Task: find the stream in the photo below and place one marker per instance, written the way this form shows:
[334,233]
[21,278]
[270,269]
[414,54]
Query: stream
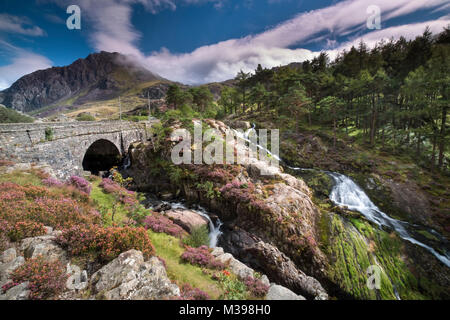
[346,193]
[214,228]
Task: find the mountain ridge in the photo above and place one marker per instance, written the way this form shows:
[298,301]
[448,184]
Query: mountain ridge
[99,76]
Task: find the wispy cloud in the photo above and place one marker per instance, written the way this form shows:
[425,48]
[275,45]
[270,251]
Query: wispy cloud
[18,25]
[223,60]
[24,62]
[114,31]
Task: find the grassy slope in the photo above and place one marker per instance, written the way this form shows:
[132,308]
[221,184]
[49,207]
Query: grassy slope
[167,247]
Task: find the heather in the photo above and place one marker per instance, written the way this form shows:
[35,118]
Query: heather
[244,193]
[159,223]
[190,293]
[80,183]
[256,287]
[37,204]
[123,195]
[46,279]
[105,243]
[201,256]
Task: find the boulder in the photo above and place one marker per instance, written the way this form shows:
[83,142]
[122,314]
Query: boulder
[277,292]
[129,277]
[187,219]
[8,255]
[8,267]
[44,246]
[282,270]
[240,269]
[19,292]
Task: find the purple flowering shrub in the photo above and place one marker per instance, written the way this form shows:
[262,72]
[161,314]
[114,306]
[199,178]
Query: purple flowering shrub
[4,230]
[243,193]
[46,279]
[125,196]
[201,256]
[80,183]
[190,293]
[52,182]
[161,224]
[256,287]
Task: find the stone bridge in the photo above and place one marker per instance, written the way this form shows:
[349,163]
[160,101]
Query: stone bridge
[72,147]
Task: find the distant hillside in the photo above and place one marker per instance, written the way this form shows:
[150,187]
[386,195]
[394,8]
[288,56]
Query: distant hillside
[100,76]
[11,116]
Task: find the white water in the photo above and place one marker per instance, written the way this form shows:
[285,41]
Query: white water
[347,193]
[214,230]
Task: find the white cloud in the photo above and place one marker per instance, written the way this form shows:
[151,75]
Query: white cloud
[223,60]
[113,31]
[18,25]
[24,62]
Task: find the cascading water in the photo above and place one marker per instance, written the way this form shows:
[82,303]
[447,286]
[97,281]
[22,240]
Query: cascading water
[214,229]
[348,194]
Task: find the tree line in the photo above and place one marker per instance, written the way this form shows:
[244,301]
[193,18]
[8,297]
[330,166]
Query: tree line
[395,95]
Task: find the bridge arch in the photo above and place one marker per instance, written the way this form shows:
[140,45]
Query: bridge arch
[101,155]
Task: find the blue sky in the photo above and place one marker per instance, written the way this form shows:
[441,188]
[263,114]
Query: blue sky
[199,41]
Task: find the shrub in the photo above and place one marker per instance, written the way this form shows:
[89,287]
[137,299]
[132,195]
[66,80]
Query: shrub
[199,237]
[46,279]
[85,117]
[81,184]
[4,230]
[190,293]
[161,224]
[49,134]
[256,287]
[123,195]
[26,229]
[202,257]
[105,243]
[42,205]
[52,182]
[234,289]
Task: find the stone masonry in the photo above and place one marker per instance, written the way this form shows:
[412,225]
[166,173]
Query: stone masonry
[63,145]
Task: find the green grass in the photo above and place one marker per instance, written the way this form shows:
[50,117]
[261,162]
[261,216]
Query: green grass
[12,116]
[21,177]
[168,248]
[106,203]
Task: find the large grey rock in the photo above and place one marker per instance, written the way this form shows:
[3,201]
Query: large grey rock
[277,292]
[187,219]
[19,292]
[129,277]
[282,270]
[6,269]
[44,246]
[240,269]
[8,255]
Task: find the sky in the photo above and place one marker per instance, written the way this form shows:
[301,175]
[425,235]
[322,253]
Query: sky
[201,41]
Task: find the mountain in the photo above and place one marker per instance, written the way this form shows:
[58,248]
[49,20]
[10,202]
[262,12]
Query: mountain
[100,76]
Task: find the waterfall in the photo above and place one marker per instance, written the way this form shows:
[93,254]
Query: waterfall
[214,229]
[348,194]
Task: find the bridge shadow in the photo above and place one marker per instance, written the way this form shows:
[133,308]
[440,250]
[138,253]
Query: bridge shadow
[102,155]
